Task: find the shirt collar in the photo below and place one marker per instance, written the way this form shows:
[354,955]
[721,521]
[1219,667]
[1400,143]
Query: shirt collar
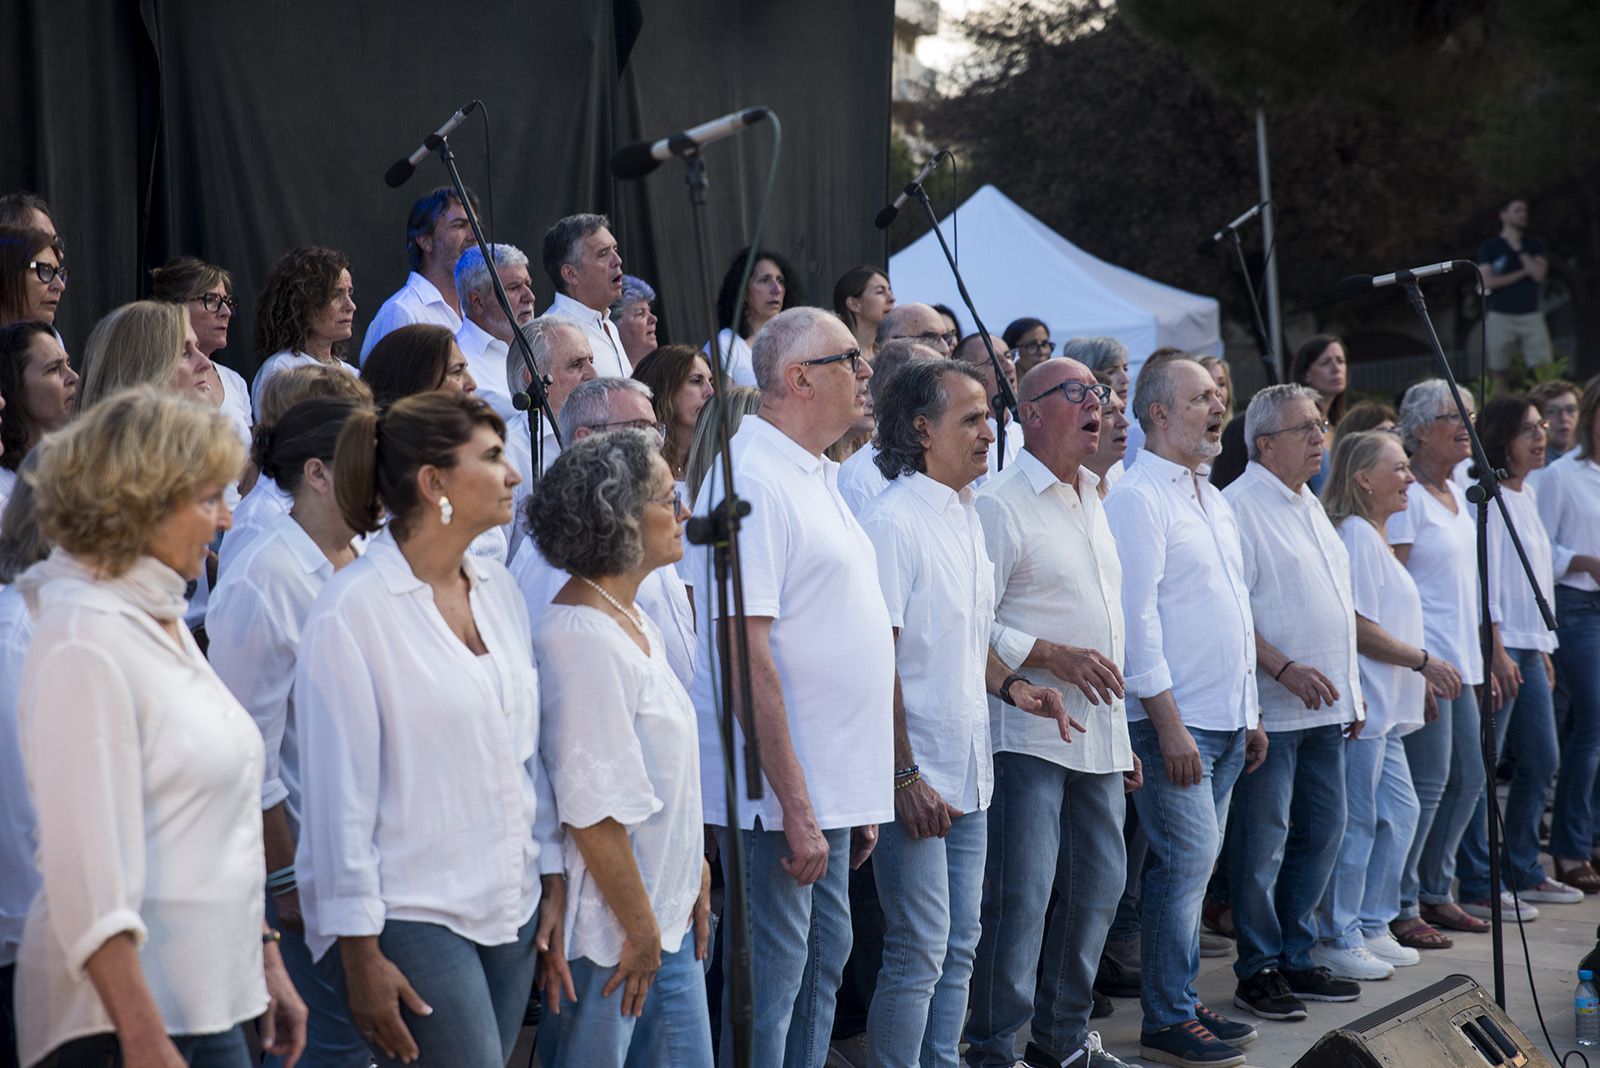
[398,578]
[475,337]
[1259,472]
[936,494]
[1042,478]
[425,289]
[782,443]
[305,551]
[565,305]
[1165,470]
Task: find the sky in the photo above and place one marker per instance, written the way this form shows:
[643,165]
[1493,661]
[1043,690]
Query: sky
[942,51]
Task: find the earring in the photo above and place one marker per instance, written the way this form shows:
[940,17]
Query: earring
[446,510]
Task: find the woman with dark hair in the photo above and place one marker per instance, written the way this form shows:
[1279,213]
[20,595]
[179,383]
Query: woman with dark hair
[37,390]
[772,288]
[1028,341]
[254,622]
[419,358]
[862,297]
[426,822]
[305,315]
[680,384]
[621,742]
[1320,363]
[206,292]
[33,275]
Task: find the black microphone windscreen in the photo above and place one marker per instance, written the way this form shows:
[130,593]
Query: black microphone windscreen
[1206,244]
[885,217]
[1355,285]
[633,161]
[399,174]
[521,401]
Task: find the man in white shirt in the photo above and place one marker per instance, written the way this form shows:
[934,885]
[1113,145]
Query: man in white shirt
[1303,607]
[581,258]
[859,478]
[485,335]
[1058,807]
[972,350]
[437,231]
[1190,673]
[562,357]
[821,665]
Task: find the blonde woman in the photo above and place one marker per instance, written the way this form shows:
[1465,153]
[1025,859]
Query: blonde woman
[147,341]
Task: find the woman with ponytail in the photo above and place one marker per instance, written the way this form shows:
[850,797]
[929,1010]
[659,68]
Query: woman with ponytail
[429,857]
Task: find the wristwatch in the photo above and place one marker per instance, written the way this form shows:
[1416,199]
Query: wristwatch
[1005,687]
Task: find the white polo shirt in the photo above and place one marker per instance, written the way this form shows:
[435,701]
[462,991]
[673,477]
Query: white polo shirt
[486,362]
[418,301]
[601,332]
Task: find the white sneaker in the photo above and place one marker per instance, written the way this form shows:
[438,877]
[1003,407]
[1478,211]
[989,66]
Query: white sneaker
[1552,892]
[1509,911]
[1356,963]
[1385,948]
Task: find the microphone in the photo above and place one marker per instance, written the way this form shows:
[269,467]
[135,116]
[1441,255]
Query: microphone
[1357,284]
[400,173]
[642,157]
[886,216]
[1207,244]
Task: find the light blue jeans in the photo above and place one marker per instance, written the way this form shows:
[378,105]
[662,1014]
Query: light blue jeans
[1574,830]
[1184,825]
[931,890]
[1381,805]
[1286,831]
[226,1049]
[332,1040]
[799,941]
[675,1028]
[1447,772]
[1530,722]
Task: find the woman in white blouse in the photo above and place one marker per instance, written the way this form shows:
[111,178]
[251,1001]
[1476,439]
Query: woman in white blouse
[145,942]
[1367,485]
[621,742]
[426,823]
[254,621]
[771,289]
[205,291]
[306,312]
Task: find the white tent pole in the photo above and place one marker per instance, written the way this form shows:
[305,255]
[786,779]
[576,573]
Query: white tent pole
[1269,244]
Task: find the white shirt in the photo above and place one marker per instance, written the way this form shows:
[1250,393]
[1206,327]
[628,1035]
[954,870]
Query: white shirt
[1444,564]
[1184,596]
[283,360]
[422,793]
[809,566]
[1569,504]
[265,502]
[1057,578]
[601,332]
[737,358]
[519,448]
[144,772]
[1511,602]
[19,879]
[620,741]
[1013,447]
[859,478]
[254,622]
[236,406]
[1384,593]
[938,584]
[1298,572]
[418,301]
[486,362]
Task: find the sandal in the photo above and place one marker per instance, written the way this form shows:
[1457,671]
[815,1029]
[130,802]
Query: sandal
[1581,875]
[1421,936]
[1453,917]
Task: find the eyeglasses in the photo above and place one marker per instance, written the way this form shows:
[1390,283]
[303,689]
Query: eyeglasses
[47,272]
[213,302]
[676,501]
[1532,431]
[1453,416]
[1317,428]
[853,357]
[1075,392]
[1034,348]
[659,429]
[948,339]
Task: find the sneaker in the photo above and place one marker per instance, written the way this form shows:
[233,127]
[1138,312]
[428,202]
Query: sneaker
[1552,892]
[1358,962]
[847,1052]
[1215,945]
[1116,978]
[1233,1032]
[1093,1054]
[1384,947]
[1510,911]
[1318,984]
[1188,1044]
[1268,996]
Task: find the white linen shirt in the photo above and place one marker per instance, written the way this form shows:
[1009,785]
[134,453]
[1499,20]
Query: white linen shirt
[423,796]
[621,743]
[938,585]
[1057,577]
[418,301]
[1384,593]
[737,358]
[1511,602]
[1569,504]
[254,622]
[1184,596]
[1298,572]
[486,362]
[859,478]
[809,566]
[19,879]
[283,360]
[265,502]
[601,332]
[1013,447]
[1444,564]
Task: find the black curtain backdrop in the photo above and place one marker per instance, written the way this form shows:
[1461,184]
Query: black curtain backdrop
[237,131]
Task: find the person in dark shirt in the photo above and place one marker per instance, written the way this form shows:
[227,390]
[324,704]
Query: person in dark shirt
[1514,264]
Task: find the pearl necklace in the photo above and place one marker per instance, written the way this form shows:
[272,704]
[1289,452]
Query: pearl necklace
[636,620]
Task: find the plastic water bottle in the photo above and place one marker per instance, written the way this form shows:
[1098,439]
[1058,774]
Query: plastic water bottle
[1586,1011]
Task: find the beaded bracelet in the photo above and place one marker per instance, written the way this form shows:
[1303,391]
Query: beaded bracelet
[916,776]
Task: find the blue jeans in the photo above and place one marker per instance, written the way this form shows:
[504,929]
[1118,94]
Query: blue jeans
[1573,829]
[332,1040]
[931,890]
[1184,825]
[1049,827]
[226,1049]
[478,993]
[799,941]
[1125,925]
[1381,805]
[1447,772]
[1530,721]
[1286,831]
[675,1028]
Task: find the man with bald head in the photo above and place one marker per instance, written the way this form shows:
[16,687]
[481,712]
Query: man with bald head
[973,351]
[919,322]
[1057,812]
[821,660]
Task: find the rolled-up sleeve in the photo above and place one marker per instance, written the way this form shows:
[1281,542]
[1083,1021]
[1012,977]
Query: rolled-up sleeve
[1141,546]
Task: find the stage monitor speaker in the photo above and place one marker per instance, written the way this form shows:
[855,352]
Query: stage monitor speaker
[1454,1022]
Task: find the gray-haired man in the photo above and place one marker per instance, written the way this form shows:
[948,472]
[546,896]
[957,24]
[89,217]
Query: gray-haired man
[583,263]
[485,334]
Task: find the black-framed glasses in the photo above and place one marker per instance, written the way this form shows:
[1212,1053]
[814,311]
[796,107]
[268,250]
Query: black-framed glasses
[1034,348]
[1531,431]
[948,339]
[1317,427]
[658,429]
[675,500]
[1076,391]
[214,302]
[47,272]
[853,358]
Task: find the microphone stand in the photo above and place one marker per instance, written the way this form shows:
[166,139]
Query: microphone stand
[1480,494]
[1005,397]
[1269,358]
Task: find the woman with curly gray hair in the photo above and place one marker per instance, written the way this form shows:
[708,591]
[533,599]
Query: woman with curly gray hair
[621,741]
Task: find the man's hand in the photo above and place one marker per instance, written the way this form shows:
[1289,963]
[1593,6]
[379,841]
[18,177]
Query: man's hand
[808,849]
[1310,685]
[1045,702]
[1132,780]
[1352,730]
[863,840]
[288,906]
[1180,755]
[1255,748]
[1099,679]
[922,812]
